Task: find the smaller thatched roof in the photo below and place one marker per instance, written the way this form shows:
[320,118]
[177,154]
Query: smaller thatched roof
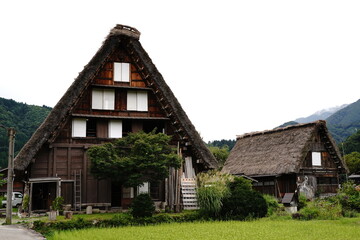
[278,151]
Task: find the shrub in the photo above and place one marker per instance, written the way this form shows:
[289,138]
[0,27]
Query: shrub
[25,202]
[243,202]
[302,202]
[349,196]
[212,188]
[272,204]
[142,206]
[57,204]
[325,209]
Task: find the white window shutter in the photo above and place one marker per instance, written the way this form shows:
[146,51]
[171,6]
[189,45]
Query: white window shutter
[97,99]
[316,158]
[131,101]
[115,129]
[144,188]
[79,127]
[125,72]
[142,101]
[117,71]
[109,99]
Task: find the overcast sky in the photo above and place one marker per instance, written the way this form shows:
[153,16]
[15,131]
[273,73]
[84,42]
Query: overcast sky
[235,66]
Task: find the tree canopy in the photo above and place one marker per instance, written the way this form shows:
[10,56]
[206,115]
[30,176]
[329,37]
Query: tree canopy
[132,160]
[351,144]
[353,162]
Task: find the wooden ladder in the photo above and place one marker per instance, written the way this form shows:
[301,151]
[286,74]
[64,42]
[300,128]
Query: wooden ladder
[188,193]
[77,190]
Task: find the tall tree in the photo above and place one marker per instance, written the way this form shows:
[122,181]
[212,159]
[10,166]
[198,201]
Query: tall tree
[353,162]
[135,159]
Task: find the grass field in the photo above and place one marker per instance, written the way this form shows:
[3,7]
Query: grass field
[346,228]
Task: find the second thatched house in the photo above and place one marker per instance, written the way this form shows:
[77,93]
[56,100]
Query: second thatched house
[300,158]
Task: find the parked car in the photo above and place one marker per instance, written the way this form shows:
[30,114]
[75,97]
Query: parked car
[17,198]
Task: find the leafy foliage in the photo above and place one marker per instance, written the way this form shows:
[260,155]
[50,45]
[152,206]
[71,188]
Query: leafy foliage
[322,209]
[349,196]
[142,206]
[212,188]
[353,162]
[243,202]
[2,181]
[24,118]
[272,204]
[57,204]
[230,143]
[220,153]
[137,158]
[351,144]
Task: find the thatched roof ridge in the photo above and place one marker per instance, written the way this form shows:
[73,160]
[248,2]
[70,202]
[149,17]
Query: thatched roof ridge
[277,151]
[58,116]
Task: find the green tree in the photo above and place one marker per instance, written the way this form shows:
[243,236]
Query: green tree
[351,144]
[353,162]
[220,153]
[135,159]
[2,181]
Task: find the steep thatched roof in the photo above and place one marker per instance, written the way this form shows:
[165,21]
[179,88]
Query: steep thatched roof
[278,151]
[128,37]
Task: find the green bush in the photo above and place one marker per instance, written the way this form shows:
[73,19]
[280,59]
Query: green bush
[25,202]
[243,202]
[119,220]
[272,204]
[349,196]
[324,209]
[57,204]
[212,188]
[302,202]
[142,206]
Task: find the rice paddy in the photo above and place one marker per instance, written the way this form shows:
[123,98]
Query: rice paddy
[345,228]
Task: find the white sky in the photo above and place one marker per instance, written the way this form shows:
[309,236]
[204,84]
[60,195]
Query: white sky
[235,66]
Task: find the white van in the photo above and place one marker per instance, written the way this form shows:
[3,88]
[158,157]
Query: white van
[17,198]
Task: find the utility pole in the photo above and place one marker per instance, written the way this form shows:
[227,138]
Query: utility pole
[10,175]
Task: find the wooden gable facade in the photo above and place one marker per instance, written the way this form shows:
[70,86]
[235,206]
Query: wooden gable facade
[301,158]
[118,92]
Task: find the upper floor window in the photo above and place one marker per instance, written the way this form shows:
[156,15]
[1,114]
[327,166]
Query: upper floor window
[115,129]
[103,99]
[316,158]
[82,127]
[137,101]
[121,72]
[79,127]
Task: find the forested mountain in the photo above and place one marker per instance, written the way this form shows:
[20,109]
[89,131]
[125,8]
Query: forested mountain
[345,122]
[341,124]
[24,118]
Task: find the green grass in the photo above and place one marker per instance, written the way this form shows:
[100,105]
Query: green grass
[343,229]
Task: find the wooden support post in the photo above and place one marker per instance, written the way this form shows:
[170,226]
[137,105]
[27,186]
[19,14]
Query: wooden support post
[10,176]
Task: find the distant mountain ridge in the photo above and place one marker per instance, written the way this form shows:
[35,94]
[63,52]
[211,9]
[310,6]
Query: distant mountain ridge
[321,115]
[342,121]
[345,122]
